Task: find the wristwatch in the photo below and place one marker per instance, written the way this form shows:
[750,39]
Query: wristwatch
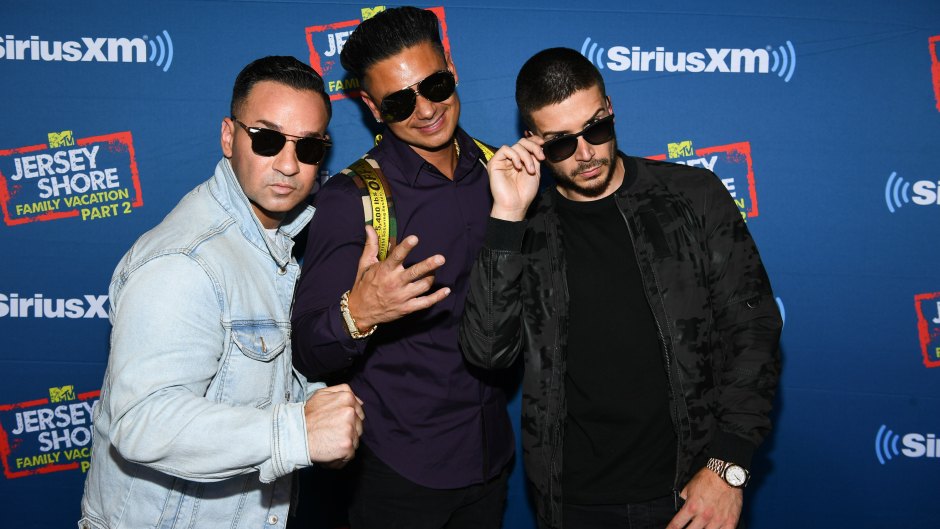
[734,475]
[351,326]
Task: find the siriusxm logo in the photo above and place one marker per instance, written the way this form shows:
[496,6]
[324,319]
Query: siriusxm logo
[91,49]
[724,60]
[898,192]
[88,306]
[915,445]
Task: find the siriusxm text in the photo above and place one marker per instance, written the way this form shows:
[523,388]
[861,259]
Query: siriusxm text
[85,49]
[38,306]
[726,60]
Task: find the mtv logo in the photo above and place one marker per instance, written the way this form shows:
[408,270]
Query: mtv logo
[61,139]
[680,149]
[369,12]
[62,394]
[928,327]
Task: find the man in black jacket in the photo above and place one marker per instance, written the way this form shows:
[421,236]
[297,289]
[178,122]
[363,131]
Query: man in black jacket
[638,300]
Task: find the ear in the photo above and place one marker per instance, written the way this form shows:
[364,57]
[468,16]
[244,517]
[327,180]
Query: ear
[610,106]
[367,99]
[450,66]
[227,136]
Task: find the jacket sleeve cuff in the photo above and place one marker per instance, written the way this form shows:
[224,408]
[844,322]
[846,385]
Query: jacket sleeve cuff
[504,235]
[729,447]
[289,451]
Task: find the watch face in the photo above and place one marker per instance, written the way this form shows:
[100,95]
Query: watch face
[735,476]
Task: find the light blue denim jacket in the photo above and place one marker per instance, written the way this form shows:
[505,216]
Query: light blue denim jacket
[200,421]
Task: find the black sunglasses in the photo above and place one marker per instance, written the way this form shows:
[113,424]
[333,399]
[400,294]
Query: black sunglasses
[562,147]
[266,142]
[435,88]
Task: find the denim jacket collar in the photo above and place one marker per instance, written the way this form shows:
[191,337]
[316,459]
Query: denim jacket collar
[228,192]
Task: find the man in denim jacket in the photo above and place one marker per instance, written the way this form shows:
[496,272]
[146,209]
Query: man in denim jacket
[202,419]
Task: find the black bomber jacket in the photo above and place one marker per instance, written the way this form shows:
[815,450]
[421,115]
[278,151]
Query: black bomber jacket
[718,322]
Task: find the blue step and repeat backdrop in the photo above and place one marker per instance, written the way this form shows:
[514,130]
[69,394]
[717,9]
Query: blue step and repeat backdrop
[821,118]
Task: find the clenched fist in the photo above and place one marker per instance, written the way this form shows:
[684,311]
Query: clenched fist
[334,423]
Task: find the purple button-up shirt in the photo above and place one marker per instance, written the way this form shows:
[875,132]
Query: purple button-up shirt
[429,415]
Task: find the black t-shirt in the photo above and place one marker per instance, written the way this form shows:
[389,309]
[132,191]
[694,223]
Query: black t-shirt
[619,446]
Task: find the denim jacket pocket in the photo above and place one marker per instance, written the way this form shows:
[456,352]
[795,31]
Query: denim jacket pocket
[254,363]
[261,341]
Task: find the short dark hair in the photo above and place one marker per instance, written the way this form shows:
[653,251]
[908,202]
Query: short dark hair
[280,69]
[387,34]
[551,76]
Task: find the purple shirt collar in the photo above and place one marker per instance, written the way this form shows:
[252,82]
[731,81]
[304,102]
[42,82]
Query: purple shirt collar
[393,151]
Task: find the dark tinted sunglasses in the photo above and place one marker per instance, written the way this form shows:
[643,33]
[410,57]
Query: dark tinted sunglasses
[562,147]
[267,142]
[435,88]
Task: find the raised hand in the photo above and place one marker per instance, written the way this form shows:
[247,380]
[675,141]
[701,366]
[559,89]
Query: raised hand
[386,290]
[514,177]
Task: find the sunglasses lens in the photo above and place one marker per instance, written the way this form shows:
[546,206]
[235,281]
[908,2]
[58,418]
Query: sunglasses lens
[398,105]
[596,133]
[438,87]
[435,88]
[311,150]
[267,142]
[599,132]
[560,149]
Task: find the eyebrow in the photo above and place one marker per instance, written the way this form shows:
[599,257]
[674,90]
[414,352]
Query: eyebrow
[592,119]
[274,126]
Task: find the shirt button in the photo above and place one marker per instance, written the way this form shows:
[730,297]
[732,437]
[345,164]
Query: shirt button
[272,520]
[281,270]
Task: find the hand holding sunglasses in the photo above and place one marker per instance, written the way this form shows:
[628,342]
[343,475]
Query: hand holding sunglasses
[560,148]
[436,88]
[266,142]
[515,173]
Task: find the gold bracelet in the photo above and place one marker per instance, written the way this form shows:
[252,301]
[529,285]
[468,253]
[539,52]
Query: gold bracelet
[351,326]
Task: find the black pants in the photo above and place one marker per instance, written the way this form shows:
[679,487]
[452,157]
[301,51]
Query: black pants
[653,514]
[383,499]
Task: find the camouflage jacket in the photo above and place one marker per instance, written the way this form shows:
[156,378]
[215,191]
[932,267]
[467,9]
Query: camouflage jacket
[718,322]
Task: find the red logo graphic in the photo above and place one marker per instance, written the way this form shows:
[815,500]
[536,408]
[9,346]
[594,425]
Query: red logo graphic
[90,178]
[935,67]
[326,42]
[732,163]
[47,435]
[928,326]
